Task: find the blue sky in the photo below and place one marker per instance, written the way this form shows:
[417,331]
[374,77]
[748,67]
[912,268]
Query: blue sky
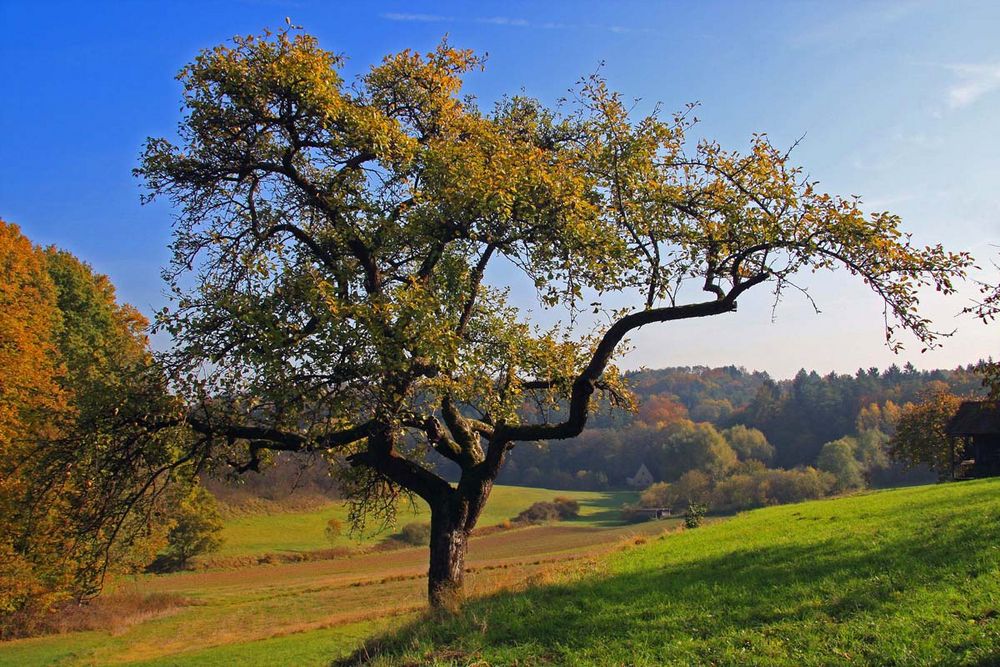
[898,102]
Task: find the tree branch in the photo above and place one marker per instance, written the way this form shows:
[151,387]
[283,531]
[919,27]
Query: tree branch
[586,383]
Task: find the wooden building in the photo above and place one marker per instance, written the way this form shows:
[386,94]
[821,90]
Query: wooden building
[977,425]
[642,478]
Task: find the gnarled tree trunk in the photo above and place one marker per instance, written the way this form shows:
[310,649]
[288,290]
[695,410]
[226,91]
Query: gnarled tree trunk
[452,521]
[449,544]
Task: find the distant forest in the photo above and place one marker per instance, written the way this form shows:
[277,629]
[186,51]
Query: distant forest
[718,421]
[797,417]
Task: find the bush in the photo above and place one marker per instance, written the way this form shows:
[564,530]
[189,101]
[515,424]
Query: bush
[759,487]
[334,529]
[694,486]
[558,510]
[632,514]
[694,514]
[417,534]
[567,507]
[538,513]
[793,486]
[740,492]
[838,459]
[661,494]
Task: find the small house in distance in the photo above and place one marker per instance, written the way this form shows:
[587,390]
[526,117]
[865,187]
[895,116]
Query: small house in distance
[641,479]
[977,423]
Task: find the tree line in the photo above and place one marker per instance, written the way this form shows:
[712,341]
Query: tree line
[690,418]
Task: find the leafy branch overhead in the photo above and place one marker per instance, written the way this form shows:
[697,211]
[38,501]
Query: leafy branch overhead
[334,256]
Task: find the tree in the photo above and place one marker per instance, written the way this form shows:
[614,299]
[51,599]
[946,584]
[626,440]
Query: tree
[749,443]
[690,446]
[33,405]
[333,240]
[660,410]
[197,527]
[693,487]
[80,475]
[920,436]
[987,309]
[838,459]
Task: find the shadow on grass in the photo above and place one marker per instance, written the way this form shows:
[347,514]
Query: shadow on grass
[604,511]
[784,598]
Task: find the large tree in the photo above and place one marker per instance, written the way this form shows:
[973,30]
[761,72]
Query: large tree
[80,471]
[335,243]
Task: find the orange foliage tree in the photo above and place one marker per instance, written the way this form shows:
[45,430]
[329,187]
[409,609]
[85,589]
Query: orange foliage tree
[33,406]
[81,474]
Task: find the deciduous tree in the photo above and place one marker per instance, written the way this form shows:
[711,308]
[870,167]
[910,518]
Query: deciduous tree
[838,459]
[920,436]
[334,240]
[80,467]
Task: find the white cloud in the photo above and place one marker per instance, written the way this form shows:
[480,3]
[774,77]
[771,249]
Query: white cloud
[418,18]
[508,21]
[503,20]
[974,81]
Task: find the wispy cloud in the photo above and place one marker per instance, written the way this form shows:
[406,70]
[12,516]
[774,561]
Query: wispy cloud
[509,21]
[418,18]
[974,81]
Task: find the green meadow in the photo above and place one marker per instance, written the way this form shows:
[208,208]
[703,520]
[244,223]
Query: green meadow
[901,577]
[305,531]
[307,613]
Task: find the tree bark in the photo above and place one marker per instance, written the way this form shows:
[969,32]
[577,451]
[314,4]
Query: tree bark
[452,521]
[449,544]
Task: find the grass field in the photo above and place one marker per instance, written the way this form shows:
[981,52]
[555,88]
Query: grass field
[311,612]
[304,531]
[902,577]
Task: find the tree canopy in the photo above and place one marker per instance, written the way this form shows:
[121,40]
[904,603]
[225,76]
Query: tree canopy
[333,242]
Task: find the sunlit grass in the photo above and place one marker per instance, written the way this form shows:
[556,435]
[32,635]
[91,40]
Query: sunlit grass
[305,531]
[309,613]
[904,577]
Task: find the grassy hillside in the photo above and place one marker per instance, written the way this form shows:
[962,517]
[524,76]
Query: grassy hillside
[903,577]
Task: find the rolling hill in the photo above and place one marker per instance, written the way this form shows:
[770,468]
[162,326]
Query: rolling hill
[900,577]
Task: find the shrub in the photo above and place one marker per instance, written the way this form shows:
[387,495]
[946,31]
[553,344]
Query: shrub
[567,507]
[632,514]
[694,486]
[694,514]
[838,459]
[559,509]
[759,487]
[334,529]
[661,494]
[793,486]
[740,492]
[416,533]
[539,513]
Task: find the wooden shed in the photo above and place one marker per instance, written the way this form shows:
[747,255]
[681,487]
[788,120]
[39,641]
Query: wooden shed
[977,424]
